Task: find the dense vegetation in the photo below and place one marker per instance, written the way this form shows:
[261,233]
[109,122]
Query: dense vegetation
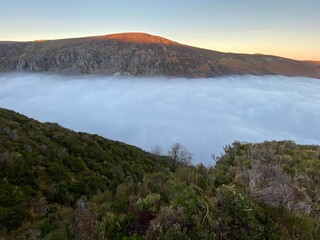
[59,184]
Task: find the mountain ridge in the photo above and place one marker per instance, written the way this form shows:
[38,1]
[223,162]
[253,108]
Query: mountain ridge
[137,37]
[141,54]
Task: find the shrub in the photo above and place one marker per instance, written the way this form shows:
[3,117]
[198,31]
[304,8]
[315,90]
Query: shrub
[168,220]
[149,202]
[12,218]
[114,226]
[237,215]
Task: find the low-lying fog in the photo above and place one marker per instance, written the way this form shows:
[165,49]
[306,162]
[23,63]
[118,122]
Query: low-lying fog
[202,114]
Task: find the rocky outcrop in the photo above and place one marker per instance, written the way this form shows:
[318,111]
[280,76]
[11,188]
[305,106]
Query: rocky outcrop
[140,54]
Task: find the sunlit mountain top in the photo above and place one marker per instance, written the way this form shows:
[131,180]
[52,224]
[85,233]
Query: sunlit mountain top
[138,37]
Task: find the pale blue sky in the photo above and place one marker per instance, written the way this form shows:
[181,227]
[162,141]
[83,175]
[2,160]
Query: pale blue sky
[288,28]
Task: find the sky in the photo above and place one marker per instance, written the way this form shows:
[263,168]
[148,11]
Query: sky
[203,114]
[288,28]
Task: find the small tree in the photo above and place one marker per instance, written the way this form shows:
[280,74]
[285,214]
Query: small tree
[156,150]
[179,155]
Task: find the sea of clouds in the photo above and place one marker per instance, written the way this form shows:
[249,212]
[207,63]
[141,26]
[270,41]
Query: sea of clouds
[202,114]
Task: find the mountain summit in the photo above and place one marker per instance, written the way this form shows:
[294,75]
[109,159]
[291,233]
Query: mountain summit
[136,37]
[140,54]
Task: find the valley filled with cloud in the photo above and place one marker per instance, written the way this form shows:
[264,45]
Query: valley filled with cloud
[202,114]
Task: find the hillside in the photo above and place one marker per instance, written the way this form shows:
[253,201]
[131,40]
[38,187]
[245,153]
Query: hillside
[59,184]
[44,167]
[140,54]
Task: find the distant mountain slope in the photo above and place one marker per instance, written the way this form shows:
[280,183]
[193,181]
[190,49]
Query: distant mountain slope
[317,63]
[140,54]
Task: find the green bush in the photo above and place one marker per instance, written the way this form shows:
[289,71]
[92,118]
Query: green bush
[12,218]
[114,226]
[238,214]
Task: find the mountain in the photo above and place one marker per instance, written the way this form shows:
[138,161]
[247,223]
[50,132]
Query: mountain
[317,63]
[140,54]
[59,184]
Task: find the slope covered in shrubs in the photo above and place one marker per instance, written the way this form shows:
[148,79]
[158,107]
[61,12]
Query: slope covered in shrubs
[59,184]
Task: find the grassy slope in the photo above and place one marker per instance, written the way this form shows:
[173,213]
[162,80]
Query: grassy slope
[59,184]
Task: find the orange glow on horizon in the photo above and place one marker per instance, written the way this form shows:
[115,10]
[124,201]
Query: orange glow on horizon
[41,40]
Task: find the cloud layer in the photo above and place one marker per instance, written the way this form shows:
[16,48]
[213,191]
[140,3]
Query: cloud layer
[202,114]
